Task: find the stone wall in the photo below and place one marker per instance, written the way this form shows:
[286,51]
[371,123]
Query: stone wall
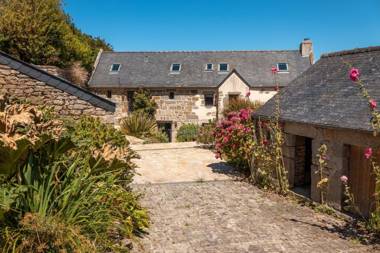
[188,105]
[39,93]
[335,139]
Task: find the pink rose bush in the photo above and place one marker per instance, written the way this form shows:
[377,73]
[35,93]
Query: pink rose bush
[234,138]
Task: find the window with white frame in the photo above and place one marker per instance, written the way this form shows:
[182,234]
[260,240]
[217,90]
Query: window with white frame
[224,67]
[176,67]
[282,67]
[115,67]
[209,67]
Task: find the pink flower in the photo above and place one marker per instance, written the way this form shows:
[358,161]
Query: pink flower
[344,179]
[248,94]
[354,74]
[372,104]
[368,153]
[274,70]
[244,114]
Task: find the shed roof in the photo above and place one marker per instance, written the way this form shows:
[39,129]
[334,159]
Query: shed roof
[56,82]
[324,95]
[152,69]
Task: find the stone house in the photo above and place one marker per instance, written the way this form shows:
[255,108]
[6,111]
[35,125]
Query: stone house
[32,83]
[323,106]
[194,87]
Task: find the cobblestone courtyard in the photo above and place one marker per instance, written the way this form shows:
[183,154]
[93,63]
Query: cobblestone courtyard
[225,215]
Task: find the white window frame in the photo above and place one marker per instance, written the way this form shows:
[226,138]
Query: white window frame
[212,67]
[115,71]
[175,71]
[224,71]
[283,71]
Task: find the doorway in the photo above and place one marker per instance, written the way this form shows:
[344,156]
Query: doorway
[166,127]
[302,166]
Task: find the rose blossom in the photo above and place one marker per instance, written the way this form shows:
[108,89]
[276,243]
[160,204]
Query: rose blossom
[265,142]
[274,70]
[354,74]
[344,179]
[368,153]
[372,104]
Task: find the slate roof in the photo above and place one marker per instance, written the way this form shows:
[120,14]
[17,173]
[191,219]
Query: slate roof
[152,69]
[56,82]
[325,96]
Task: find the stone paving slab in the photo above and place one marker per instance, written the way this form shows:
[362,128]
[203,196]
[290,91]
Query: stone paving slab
[179,162]
[231,216]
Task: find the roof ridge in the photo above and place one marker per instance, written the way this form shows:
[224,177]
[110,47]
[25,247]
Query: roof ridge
[351,51]
[203,51]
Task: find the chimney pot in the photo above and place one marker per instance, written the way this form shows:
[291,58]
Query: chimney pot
[306,49]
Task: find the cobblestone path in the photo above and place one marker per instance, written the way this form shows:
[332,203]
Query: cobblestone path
[228,216]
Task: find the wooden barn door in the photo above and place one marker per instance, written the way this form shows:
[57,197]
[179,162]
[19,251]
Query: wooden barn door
[361,179]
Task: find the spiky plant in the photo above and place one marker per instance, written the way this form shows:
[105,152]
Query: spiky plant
[139,125]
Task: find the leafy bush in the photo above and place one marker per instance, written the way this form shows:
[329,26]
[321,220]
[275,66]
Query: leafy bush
[238,104]
[234,138]
[138,124]
[187,132]
[64,189]
[157,137]
[39,32]
[206,133]
[143,102]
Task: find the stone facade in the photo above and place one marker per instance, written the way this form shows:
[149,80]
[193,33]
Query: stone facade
[187,105]
[336,140]
[39,93]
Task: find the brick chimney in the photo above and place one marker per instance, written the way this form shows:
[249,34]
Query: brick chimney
[306,49]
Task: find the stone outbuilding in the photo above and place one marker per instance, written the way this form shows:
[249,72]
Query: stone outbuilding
[35,85]
[194,87]
[323,106]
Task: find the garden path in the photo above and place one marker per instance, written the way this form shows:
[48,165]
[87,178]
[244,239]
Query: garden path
[221,215]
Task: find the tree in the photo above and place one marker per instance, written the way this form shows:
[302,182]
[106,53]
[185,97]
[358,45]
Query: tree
[39,32]
[143,102]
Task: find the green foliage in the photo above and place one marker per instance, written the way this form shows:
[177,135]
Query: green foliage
[138,124]
[38,31]
[71,193]
[143,102]
[206,133]
[187,132]
[157,137]
[238,104]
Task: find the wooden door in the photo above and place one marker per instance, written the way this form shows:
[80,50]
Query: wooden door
[361,179]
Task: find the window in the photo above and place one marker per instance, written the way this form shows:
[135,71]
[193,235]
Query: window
[223,67]
[115,67]
[209,67]
[109,94]
[176,67]
[209,99]
[282,67]
[171,95]
[130,100]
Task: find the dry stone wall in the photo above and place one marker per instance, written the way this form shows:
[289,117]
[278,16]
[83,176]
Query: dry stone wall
[39,93]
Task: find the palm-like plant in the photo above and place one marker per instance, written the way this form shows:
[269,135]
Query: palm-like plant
[139,125]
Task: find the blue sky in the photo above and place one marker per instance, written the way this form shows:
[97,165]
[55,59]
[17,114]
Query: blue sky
[149,25]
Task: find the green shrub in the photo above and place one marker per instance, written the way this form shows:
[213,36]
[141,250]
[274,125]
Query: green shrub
[64,188]
[236,105]
[143,102]
[139,125]
[157,137]
[187,132]
[206,133]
